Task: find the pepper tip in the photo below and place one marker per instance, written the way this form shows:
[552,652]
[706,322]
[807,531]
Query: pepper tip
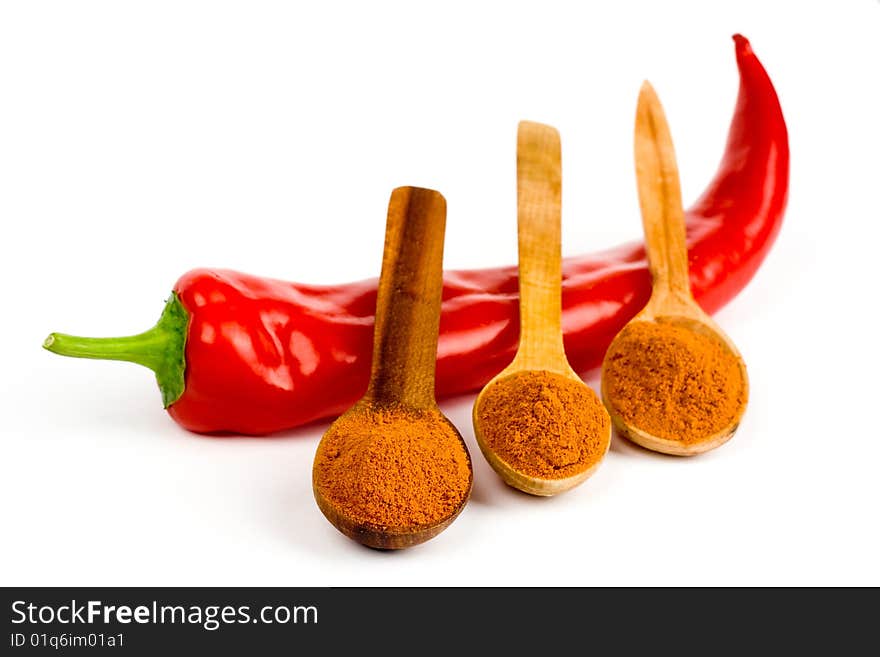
[743,47]
[48,342]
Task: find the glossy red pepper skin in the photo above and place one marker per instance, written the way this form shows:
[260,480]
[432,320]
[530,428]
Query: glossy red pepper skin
[265,355]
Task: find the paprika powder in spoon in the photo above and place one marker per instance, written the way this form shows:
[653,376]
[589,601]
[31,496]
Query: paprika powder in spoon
[672,380]
[539,426]
[392,471]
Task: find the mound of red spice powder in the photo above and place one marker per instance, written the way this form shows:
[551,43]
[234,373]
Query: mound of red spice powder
[544,425]
[672,382]
[393,467]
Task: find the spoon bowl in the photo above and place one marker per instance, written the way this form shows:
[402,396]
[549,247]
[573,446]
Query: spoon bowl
[511,475]
[388,537]
[696,321]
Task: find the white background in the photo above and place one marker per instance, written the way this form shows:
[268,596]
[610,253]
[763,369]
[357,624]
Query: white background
[139,140]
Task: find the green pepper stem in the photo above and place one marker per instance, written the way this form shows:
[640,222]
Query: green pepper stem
[161,349]
[147,348]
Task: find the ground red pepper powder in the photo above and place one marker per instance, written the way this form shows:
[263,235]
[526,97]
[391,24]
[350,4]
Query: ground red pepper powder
[394,468]
[672,382]
[544,425]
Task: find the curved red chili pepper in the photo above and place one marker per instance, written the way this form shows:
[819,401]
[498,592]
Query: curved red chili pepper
[265,355]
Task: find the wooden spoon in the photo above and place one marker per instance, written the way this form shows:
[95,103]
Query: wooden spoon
[539,212]
[666,245]
[404,359]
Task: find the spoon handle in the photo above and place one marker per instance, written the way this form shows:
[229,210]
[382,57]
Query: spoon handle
[660,198]
[539,215]
[408,300]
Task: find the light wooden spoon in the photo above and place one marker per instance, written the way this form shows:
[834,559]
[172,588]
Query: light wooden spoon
[404,354]
[666,245]
[539,213]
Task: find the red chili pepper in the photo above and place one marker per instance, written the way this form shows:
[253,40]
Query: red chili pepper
[242,354]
